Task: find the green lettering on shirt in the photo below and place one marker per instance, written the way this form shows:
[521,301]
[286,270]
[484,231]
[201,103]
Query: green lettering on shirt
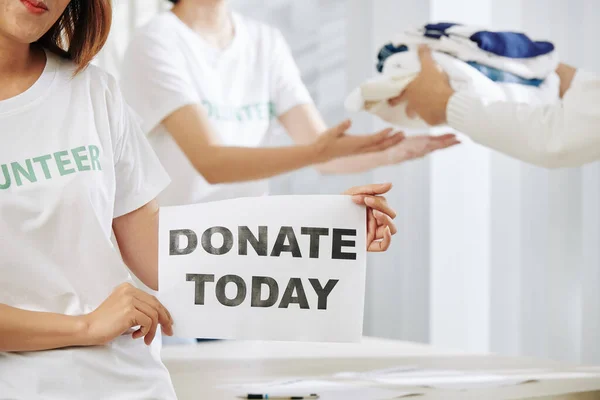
[51,166]
[94,154]
[79,158]
[43,161]
[6,183]
[19,171]
[244,113]
[61,163]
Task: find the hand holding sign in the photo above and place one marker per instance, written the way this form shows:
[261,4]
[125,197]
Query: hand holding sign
[278,268]
[380,226]
[125,308]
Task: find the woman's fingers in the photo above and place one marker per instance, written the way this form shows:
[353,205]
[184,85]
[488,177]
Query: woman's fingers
[445,136]
[164,318]
[151,313]
[379,214]
[380,203]
[372,189]
[144,322]
[340,129]
[389,142]
[382,245]
[384,220]
[371,227]
[375,142]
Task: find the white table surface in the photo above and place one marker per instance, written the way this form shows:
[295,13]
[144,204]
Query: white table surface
[199,371]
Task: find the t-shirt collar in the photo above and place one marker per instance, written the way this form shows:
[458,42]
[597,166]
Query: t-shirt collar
[36,91]
[217,53]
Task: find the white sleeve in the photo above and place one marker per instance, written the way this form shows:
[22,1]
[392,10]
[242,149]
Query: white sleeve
[139,175]
[565,134]
[155,80]
[287,88]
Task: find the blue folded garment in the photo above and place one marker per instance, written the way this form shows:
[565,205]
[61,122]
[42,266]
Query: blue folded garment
[505,44]
[511,44]
[438,30]
[495,74]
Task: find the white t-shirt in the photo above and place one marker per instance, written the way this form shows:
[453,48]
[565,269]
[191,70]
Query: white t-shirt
[72,158]
[243,89]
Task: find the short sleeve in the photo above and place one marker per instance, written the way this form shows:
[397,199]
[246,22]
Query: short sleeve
[139,175]
[154,79]
[287,88]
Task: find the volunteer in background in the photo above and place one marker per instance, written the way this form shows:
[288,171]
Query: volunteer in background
[210,84]
[564,134]
[74,165]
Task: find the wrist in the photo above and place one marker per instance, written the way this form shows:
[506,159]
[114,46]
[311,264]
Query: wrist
[80,331]
[315,153]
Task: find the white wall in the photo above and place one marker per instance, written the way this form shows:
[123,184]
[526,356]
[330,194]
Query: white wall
[492,254]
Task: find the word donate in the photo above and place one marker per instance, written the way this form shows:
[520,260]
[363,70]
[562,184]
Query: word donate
[269,268]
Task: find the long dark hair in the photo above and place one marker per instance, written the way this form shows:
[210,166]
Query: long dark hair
[81,32]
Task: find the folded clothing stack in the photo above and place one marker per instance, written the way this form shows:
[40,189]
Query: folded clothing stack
[506,66]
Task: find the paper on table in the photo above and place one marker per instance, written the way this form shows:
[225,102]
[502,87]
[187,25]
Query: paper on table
[326,389]
[373,373]
[269,268]
[462,380]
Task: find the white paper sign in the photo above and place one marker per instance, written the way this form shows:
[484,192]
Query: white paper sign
[269,268]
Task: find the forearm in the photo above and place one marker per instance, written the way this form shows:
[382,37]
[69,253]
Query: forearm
[238,164]
[560,135]
[22,330]
[354,164]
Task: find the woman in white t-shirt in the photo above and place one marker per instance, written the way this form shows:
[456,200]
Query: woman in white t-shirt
[209,85]
[74,165]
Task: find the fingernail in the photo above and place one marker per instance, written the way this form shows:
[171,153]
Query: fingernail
[369,200]
[377,213]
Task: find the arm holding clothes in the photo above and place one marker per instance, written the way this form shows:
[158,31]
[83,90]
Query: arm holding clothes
[299,116]
[564,134]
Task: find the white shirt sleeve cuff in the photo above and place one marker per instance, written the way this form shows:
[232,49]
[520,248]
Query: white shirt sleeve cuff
[458,111]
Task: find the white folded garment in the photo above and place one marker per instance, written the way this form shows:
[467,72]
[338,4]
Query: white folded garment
[401,68]
[458,44]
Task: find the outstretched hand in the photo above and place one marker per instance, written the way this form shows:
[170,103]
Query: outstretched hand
[380,224]
[335,143]
[428,94]
[419,146]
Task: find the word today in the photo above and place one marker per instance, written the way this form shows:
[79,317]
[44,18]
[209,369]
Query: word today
[294,292]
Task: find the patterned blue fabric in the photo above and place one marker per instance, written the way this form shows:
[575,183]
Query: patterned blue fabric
[511,44]
[438,30]
[387,51]
[497,75]
[505,44]
[494,74]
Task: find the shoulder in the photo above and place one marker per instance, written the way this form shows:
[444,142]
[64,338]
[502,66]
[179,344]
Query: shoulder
[93,88]
[261,33]
[92,78]
[162,30]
